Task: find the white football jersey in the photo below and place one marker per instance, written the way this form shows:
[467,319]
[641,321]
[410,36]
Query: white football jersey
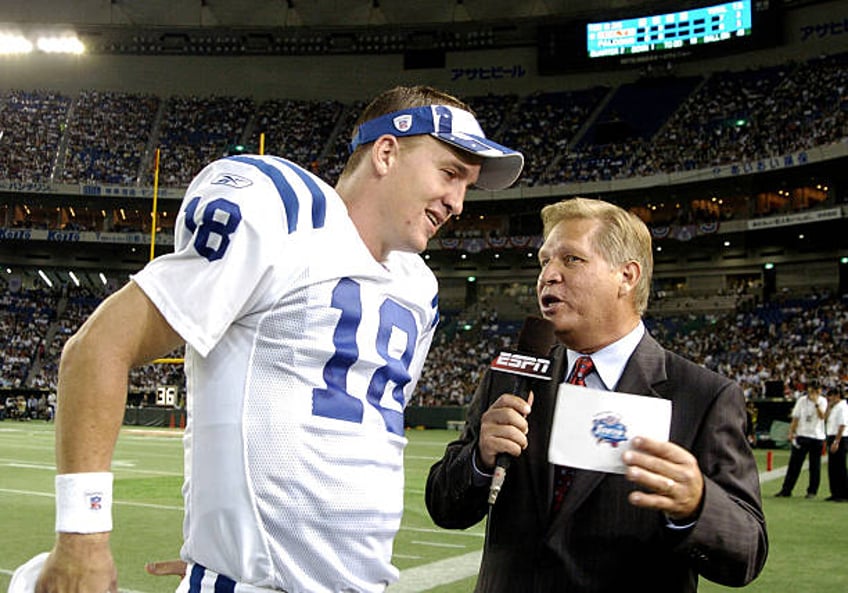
[302,351]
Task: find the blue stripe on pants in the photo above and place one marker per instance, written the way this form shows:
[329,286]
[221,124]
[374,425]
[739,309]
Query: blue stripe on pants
[196,578]
[224,584]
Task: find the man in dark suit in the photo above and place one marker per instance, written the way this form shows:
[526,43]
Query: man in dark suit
[686,507]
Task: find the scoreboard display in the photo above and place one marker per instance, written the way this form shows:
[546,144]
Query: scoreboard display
[674,30]
[626,38]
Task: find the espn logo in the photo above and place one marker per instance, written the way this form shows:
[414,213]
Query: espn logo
[522,364]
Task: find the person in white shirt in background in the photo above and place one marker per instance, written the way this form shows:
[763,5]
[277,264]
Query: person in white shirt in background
[806,433]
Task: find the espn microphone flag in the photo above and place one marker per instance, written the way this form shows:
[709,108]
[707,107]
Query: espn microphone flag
[525,365]
[529,362]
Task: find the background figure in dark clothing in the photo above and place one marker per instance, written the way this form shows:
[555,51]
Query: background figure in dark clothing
[837,418]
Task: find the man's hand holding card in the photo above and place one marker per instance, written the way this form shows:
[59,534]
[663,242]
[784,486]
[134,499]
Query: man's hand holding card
[628,434]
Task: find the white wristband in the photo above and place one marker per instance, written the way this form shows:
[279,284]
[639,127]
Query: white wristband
[84,502]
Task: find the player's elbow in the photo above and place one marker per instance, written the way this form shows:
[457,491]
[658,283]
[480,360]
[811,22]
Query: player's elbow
[89,352]
[75,355]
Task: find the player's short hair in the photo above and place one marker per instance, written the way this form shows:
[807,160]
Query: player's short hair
[395,99]
[621,237]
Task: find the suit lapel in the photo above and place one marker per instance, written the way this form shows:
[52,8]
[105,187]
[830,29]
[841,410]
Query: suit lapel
[543,408]
[644,370]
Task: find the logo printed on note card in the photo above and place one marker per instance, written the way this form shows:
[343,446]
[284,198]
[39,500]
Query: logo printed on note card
[607,427]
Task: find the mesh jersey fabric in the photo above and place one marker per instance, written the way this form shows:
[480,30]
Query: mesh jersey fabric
[302,351]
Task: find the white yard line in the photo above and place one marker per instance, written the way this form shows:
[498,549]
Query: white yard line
[443,572]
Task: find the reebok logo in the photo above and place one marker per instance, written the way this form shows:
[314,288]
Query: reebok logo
[233,180]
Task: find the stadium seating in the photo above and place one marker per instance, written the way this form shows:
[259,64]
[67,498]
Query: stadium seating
[568,136]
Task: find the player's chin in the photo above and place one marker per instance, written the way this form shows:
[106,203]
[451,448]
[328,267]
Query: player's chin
[412,246]
[419,243]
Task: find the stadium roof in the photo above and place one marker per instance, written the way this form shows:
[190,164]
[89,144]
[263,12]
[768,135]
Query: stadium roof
[307,13]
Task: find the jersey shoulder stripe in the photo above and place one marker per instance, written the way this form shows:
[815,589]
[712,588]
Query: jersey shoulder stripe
[289,197]
[319,200]
[435,304]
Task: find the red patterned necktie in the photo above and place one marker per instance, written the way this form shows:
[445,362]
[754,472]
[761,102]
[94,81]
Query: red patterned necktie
[564,475]
[582,367]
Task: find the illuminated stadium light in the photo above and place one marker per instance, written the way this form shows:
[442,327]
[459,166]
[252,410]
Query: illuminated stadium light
[769,266]
[14,44]
[843,260]
[472,279]
[102,278]
[74,278]
[17,43]
[44,277]
[65,44]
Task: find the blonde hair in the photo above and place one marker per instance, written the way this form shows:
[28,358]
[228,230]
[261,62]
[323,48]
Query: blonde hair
[621,237]
[400,97]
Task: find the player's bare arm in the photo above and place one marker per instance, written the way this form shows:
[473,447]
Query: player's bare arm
[126,330]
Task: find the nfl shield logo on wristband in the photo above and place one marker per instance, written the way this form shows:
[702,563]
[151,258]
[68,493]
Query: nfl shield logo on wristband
[95,501]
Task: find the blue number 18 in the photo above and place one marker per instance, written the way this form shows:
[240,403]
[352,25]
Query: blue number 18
[335,401]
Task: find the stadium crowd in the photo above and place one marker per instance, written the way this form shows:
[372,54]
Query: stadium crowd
[32,124]
[35,324]
[788,340]
[195,131]
[107,137]
[694,123]
[730,117]
[296,129]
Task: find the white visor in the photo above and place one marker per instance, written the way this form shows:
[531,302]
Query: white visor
[501,165]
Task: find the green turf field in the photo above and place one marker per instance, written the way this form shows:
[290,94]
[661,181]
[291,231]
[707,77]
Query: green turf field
[808,537]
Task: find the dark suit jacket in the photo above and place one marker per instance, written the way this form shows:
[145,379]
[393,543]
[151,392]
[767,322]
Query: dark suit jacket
[598,541]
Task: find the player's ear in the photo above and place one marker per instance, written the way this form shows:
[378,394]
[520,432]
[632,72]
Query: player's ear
[384,153]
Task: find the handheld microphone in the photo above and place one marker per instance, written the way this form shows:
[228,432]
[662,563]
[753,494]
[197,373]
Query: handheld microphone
[530,361]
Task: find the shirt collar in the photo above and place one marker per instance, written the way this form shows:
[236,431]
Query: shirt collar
[611,360]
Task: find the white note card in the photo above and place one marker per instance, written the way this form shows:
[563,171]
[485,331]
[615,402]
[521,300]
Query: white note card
[592,427]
